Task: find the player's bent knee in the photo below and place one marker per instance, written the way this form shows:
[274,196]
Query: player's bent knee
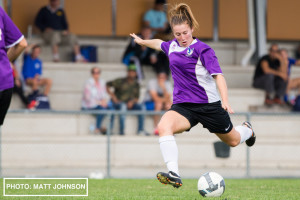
[233,143]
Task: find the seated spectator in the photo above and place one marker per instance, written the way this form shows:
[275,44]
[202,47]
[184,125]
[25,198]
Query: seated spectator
[293,84]
[142,55]
[125,95]
[18,86]
[95,97]
[271,76]
[158,96]
[52,22]
[32,71]
[156,19]
[297,52]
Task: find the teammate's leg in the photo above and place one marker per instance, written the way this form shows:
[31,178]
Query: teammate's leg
[5,99]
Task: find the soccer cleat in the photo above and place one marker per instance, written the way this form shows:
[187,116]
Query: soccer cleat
[250,142]
[169,178]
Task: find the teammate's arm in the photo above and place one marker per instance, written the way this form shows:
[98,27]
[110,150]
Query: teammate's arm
[222,86]
[153,44]
[15,51]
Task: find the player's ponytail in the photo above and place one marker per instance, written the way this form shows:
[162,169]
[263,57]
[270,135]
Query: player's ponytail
[180,14]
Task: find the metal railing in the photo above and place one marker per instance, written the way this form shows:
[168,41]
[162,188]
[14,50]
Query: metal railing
[247,115]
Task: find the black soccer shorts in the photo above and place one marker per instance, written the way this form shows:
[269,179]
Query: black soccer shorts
[211,115]
[5,98]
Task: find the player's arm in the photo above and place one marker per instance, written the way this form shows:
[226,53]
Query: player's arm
[153,44]
[222,86]
[15,51]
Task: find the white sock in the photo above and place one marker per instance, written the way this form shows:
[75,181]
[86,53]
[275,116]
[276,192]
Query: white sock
[169,152]
[245,133]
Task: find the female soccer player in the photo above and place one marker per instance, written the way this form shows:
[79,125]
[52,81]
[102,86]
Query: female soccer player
[12,43]
[196,72]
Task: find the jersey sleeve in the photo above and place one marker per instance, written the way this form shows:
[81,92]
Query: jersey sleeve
[210,61]
[165,47]
[10,33]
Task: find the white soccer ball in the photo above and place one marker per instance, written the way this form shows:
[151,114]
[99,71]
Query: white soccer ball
[211,184]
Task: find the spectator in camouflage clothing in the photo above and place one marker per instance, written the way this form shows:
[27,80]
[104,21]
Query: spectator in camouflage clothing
[125,97]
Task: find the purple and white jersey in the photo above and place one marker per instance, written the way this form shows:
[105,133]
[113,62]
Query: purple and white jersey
[10,35]
[192,69]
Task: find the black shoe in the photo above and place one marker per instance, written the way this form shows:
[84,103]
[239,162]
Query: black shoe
[169,178]
[250,142]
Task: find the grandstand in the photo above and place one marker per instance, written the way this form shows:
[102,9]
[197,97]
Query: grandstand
[60,144]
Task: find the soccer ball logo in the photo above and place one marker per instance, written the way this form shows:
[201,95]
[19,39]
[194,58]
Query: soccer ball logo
[211,184]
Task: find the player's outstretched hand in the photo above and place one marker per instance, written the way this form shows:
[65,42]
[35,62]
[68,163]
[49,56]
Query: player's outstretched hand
[227,107]
[137,39]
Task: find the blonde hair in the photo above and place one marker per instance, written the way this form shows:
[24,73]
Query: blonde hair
[180,14]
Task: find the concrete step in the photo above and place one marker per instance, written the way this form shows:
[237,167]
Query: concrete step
[61,99]
[112,49]
[141,152]
[64,124]
[73,75]
[69,78]
[78,124]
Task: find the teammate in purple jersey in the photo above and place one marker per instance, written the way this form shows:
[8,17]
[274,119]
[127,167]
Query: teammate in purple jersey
[197,74]
[12,43]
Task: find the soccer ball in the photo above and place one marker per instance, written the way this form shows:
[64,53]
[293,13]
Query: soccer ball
[211,184]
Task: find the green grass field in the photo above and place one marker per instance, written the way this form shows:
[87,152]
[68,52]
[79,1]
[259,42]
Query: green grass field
[146,189]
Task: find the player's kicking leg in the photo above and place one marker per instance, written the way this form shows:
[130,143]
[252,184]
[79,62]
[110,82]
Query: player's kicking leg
[250,142]
[238,135]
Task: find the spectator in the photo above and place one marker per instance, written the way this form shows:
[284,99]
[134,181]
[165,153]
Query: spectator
[156,19]
[292,83]
[297,52]
[125,97]
[95,97]
[271,76]
[158,96]
[52,22]
[141,55]
[18,85]
[12,44]
[32,71]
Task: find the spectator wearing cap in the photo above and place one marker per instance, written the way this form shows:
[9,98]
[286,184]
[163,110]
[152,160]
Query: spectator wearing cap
[95,97]
[125,93]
